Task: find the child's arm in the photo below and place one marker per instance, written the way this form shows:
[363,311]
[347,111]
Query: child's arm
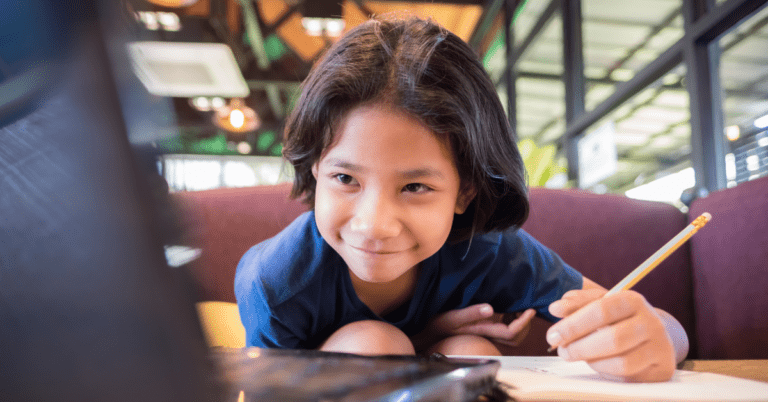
[620,336]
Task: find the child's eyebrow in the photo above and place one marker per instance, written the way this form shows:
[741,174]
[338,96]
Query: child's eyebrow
[422,172]
[340,163]
[410,174]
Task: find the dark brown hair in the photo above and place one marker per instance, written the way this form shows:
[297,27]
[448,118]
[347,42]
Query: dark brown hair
[427,71]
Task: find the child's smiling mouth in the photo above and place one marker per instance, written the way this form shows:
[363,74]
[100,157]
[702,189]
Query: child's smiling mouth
[371,251]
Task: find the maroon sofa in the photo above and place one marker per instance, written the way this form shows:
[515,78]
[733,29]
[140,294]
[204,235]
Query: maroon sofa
[716,285]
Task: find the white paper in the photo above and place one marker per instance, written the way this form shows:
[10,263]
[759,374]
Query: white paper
[551,378]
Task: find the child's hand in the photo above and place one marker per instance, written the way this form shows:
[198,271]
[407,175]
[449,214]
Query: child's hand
[478,319]
[620,336]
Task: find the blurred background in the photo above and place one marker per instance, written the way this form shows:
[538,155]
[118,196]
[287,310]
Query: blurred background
[656,99]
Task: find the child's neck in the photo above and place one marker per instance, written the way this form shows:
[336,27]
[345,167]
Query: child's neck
[383,298]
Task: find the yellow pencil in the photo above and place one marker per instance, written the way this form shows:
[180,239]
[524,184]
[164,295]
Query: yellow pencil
[653,261]
[659,256]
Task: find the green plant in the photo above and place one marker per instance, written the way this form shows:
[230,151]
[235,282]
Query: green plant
[540,162]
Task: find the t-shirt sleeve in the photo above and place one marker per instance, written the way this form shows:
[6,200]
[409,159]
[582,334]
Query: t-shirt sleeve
[277,288]
[533,272]
[264,324]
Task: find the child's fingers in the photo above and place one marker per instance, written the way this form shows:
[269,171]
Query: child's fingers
[512,332]
[521,326]
[488,329]
[593,316]
[454,319]
[522,323]
[608,341]
[574,300]
[644,363]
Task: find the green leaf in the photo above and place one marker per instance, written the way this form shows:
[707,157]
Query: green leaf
[539,162]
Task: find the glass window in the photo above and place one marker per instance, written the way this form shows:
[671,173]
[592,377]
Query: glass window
[526,17]
[744,81]
[622,37]
[206,172]
[651,136]
[541,102]
[540,91]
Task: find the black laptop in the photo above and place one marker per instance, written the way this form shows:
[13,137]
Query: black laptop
[89,308]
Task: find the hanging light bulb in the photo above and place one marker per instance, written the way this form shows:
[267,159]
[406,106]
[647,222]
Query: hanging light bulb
[236,117]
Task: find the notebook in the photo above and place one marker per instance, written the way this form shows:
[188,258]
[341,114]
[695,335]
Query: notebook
[549,378]
[89,306]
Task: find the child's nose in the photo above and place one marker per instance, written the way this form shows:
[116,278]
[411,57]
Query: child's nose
[375,217]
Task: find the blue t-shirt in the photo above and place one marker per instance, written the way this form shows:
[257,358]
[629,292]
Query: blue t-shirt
[294,290]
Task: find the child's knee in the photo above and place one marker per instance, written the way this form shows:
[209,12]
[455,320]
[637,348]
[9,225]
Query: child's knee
[466,345]
[369,337]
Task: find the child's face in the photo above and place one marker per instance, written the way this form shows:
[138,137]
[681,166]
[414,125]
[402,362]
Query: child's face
[387,190]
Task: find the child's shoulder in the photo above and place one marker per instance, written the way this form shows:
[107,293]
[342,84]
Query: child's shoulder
[292,256]
[299,232]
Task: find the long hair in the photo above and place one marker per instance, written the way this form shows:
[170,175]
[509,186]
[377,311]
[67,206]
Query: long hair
[430,73]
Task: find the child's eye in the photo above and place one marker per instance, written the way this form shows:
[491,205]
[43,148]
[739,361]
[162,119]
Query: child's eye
[344,178]
[416,188]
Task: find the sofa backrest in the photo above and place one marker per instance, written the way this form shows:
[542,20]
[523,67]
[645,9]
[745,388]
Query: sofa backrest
[225,223]
[730,272]
[605,237]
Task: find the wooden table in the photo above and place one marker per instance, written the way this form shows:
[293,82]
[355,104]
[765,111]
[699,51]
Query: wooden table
[749,369]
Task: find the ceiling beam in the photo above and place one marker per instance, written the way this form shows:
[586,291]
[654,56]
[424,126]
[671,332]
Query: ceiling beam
[490,12]
[625,90]
[541,23]
[218,22]
[573,78]
[256,39]
[367,11]
[272,28]
[666,22]
[721,19]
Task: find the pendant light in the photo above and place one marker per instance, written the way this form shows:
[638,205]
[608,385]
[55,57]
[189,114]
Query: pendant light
[236,117]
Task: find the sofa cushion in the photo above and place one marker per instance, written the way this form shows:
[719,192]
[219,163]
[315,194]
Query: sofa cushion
[605,237]
[730,272]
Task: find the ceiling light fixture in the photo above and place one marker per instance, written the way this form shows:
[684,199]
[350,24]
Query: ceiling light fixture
[762,122]
[206,104]
[732,133]
[323,26]
[237,117]
[173,3]
[188,69]
[323,17]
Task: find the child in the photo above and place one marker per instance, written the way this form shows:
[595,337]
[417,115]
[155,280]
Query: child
[402,148]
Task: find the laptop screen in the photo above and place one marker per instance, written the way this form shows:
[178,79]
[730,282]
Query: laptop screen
[89,309]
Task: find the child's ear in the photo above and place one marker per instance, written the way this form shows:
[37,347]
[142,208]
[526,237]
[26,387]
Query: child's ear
[314,170]
[466,195]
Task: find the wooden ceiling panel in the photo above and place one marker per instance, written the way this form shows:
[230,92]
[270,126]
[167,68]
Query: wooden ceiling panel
[203,9]
[271,10]
[353,15]
[293,34]
[457,18]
